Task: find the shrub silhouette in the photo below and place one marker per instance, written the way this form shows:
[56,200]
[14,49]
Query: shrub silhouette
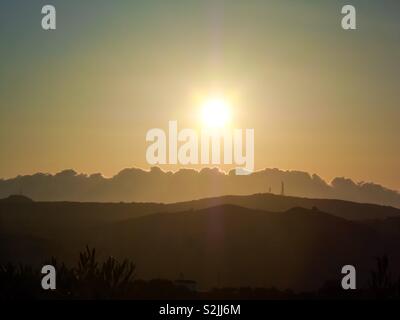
[89,280]
[381,283]
[112,279]
[93,280]
[17,282]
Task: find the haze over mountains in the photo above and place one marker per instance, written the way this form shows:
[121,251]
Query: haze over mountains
[137,185]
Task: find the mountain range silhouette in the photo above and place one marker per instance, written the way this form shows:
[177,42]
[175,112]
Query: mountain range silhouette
[137,185]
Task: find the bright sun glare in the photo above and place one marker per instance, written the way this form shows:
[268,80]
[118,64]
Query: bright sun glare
[216,113]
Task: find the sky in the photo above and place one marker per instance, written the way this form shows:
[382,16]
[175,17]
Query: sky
[320,99]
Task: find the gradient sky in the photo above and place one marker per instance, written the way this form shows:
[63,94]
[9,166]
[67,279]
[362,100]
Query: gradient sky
[321,99]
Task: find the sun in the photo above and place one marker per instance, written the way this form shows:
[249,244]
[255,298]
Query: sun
[216,113]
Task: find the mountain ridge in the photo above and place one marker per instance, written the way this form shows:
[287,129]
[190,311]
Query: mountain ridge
[223,245]
[262,201]
[155,185]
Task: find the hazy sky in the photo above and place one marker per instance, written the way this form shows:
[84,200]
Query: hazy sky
[320,99]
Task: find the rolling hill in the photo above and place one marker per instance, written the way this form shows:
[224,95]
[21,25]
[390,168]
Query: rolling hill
[277,203]
[218,245]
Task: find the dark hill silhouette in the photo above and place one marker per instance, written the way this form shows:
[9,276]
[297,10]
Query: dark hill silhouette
[16,199]
[259,240]
[233,246]
[225,245]
[38,217]
[137,185]
[61,219]
[270,202]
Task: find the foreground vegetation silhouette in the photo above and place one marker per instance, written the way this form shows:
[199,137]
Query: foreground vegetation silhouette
[115,280]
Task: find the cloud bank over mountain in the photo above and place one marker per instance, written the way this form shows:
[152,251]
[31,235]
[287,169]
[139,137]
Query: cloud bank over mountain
[137,185]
